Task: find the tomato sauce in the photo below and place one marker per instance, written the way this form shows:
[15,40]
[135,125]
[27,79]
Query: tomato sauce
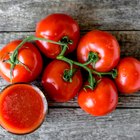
[22,108]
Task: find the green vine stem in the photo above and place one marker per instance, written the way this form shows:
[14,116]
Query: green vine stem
[90,71]
[92,58]
[32,38]
[13,60]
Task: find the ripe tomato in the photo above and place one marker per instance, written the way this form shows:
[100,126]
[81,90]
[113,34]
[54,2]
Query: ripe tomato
[102,43]
[100,101]
[54,85]
[28,55]
[128,79]
[55,27]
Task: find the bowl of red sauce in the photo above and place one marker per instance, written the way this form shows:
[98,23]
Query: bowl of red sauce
[23,108]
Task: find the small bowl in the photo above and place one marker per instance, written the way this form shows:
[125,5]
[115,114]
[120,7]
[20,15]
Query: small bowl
[16,113]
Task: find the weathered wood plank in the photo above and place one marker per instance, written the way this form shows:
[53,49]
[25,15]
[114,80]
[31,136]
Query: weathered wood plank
[74,124]
[131,101]
[130,45]
[128,40]
[125,101]
[19,15]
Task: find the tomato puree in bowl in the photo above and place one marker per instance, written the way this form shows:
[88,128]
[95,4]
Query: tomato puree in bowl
[22,108]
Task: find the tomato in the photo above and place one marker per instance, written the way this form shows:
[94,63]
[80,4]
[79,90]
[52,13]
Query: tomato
[28,56]
[106,47]
[100,101]
[55,27]
[128,79]
[55,87]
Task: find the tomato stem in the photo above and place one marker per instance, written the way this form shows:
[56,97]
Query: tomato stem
[92,82]
[32,38]
[13,60]
[64,48]
[92,59]
[65,41]
[78,64]
[112,73]
[88,62]
[71,62]
[68,73]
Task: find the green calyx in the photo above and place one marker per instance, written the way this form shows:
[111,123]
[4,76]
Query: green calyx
[92,58]
[65,41]
[68,74]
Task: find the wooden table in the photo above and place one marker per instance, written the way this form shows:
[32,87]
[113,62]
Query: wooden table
[66,121]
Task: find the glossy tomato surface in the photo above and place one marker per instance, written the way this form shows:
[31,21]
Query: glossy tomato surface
[128,79]
[102,43]
[55,27]
[100,101]
[28,55]
[54,85]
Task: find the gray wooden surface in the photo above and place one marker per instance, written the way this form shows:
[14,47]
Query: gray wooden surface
[66,121]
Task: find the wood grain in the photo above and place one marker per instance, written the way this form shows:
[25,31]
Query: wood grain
[129,40]
[130,46]
[74,124]
[125,101]
[66,121]
[19,15]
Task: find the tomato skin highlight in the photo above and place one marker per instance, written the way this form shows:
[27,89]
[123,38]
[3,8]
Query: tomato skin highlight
[55,27]
[105,45]
[29,55]
[100,101]
[128,79]
[22,108]
[54,85]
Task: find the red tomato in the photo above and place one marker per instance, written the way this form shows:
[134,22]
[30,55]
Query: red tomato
[28,55]
[100,101]
[54,85]
[102,43]
[55,27]
[128,79]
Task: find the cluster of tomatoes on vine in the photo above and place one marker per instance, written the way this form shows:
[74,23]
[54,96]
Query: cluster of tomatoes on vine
[98,53]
